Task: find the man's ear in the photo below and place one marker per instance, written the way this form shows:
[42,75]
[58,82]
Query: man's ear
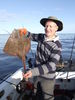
[56,28]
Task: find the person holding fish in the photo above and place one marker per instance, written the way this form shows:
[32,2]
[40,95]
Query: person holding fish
[47,56]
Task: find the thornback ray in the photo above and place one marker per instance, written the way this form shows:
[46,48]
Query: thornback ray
[17,45]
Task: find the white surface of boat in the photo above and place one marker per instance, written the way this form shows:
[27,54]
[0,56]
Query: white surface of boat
[10,89]
[65,80]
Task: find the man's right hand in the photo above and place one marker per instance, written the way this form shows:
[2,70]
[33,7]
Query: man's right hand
[22,31]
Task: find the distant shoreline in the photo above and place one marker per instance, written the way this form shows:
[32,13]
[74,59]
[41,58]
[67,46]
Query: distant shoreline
[57,33]
[5,34]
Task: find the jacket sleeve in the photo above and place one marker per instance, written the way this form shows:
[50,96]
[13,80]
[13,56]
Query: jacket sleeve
[36,36]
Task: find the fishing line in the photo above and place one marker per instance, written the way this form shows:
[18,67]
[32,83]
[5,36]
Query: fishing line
[6,31]
[72,52]
[32,53]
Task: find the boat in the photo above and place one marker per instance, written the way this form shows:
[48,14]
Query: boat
[64,85]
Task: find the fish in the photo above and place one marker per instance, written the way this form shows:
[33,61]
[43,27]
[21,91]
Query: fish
[18,45]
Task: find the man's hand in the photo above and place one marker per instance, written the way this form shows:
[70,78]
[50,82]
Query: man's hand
[22,31]
[27,75]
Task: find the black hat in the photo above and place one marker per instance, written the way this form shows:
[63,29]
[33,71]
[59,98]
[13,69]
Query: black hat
[54,19]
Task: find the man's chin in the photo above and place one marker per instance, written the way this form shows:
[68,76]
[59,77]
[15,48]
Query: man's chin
[47,34]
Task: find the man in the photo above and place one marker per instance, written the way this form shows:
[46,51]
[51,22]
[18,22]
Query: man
[47,56]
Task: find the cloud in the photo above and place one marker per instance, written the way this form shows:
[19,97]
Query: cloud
[58,9]
[6,16]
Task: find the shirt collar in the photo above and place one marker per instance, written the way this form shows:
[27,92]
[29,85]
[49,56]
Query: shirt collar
[54,39]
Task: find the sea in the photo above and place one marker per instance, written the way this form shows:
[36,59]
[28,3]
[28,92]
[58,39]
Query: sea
[10,64]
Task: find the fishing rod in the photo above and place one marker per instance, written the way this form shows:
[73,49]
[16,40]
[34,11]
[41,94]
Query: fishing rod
[70,60]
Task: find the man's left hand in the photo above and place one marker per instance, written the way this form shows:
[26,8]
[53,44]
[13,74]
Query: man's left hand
[27,75]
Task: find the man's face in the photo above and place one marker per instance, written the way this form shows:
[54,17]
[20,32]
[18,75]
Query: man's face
[50,28]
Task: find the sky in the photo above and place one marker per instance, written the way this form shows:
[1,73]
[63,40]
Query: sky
[16,14]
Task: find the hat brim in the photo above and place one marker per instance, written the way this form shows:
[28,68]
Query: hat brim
[58,22]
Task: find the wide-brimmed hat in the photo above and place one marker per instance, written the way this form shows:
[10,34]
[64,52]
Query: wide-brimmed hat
[54,19]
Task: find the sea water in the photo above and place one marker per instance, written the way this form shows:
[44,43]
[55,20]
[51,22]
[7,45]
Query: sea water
[9,64]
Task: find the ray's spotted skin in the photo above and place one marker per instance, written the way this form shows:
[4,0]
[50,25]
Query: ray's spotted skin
[18,44]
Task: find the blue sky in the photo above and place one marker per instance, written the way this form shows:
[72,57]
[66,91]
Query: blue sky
[27,13]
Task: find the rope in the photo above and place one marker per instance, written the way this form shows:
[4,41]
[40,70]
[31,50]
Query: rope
[8,82]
